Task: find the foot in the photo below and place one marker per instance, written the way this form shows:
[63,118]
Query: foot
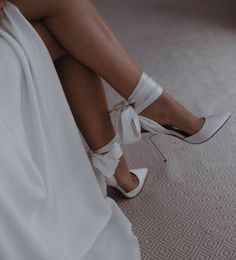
[125,179]
[166,111]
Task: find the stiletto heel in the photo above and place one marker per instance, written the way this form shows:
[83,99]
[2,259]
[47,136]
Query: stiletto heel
[162,155]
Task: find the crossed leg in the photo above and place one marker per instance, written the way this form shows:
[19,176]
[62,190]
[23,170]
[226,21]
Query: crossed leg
[81,30]
[85,48]
[80,85]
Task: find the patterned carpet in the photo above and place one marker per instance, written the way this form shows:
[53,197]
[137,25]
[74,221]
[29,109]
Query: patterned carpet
[187,208]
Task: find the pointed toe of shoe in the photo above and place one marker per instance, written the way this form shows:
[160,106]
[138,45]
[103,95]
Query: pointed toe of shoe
[211,126]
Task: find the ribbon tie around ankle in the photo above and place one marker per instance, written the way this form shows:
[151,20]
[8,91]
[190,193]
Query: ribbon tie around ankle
[145,93]
[107,162]
[126,122]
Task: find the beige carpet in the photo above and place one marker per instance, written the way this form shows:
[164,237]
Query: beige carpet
[187,209]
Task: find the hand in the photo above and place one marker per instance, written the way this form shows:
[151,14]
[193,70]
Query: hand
[2,3]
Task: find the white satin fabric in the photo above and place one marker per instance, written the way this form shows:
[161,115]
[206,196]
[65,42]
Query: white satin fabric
[145,93]
[51,204]
[105,161]
[126,123]
[125,115]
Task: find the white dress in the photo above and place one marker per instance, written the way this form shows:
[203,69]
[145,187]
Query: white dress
[51,204]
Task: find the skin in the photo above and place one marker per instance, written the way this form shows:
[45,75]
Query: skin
[83,49]
[2,3]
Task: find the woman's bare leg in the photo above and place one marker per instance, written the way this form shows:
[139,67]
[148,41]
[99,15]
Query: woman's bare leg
[87,101]
[85,94]
[82,31]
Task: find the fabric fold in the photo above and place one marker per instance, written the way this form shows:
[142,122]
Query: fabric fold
[126,122]
[52,207]
[108,162]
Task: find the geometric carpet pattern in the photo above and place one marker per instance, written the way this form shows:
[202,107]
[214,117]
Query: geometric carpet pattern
[187,208]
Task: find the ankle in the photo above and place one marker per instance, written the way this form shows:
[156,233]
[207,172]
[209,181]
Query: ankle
[145,93]
[158,111]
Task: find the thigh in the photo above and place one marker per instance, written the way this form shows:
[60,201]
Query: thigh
[55,49]
[36,9]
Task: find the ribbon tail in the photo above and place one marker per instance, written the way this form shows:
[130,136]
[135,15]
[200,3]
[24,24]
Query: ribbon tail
[127,125]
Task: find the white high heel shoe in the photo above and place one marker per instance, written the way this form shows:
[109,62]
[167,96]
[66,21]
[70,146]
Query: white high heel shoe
[140,173]
[128,122]
[105,161]
[210,127]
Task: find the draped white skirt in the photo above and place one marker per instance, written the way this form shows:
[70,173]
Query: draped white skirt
[51,204]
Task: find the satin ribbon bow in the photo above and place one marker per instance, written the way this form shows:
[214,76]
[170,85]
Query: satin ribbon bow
[126,122]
